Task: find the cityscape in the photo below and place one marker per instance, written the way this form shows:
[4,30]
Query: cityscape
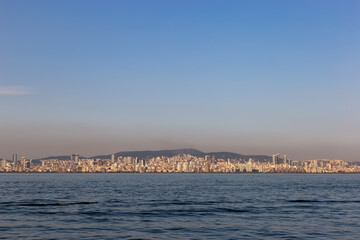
[181,163]
[179,119]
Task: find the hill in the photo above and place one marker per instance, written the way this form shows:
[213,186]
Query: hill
[171,153]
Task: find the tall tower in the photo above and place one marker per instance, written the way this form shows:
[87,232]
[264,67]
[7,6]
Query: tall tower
[3,163]
[23,162]
[14,158]
[275,159]
[285,159]
[249,165]
[76,157]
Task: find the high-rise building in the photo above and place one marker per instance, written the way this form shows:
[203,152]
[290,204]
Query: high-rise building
[207,167]
[14,158]
[185,167]
[112,158]
[178,166]
[23,162]
[3,163]
[285,159]
[76,157]
[275,159]
[249,165]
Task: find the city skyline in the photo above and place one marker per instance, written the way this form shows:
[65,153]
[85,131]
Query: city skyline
[251,77]
[273,158]
[190,161]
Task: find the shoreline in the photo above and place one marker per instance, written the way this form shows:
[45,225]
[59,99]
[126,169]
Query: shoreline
[177,173]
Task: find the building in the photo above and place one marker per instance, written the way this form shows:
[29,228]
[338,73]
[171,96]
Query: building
[23,162]
[14,158]
[178,166]
[275,159]
[76,158]
[3,163]
[249,166]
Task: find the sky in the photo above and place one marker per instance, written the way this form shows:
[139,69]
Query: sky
[252,77]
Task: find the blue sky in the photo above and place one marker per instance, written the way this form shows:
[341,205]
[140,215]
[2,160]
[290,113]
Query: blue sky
[246,76]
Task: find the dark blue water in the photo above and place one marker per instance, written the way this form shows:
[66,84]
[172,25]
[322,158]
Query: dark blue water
[179,206]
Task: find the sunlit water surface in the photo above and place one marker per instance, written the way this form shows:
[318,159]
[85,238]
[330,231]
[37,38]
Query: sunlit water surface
[179,206]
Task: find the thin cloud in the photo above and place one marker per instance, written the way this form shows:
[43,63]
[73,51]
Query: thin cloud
[15,90]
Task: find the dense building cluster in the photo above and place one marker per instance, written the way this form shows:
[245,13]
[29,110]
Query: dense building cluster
[178,164]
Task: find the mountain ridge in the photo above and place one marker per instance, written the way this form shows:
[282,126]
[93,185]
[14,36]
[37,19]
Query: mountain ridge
[168,153]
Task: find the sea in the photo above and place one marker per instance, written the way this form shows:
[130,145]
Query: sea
[179,206]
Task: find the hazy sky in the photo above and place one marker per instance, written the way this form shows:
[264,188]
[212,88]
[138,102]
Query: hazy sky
[253,77]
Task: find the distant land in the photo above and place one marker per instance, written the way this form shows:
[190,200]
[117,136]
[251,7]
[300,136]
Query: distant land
[186,160]
[168,153]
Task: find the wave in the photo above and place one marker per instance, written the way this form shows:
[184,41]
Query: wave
[46,204]
[326,201]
